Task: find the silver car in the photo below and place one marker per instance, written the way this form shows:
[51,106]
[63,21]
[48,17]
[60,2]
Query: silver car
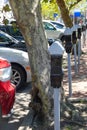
[52,31]
[21,72]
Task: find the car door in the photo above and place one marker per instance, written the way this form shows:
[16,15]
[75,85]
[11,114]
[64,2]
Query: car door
[51,31]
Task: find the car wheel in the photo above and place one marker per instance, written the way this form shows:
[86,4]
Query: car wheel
[18,76]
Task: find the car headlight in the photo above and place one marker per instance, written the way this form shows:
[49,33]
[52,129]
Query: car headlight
[5,74]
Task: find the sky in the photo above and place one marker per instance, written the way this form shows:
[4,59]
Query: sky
[8,14]
[2,2]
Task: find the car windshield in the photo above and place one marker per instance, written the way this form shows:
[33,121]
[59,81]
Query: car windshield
[48,26]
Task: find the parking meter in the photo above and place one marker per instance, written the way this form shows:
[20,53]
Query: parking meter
[74,41]
[56,50]
[68,43]
[68,48]
[79,30]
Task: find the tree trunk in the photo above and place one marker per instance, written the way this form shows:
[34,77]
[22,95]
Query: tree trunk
[64,13]
[28,16]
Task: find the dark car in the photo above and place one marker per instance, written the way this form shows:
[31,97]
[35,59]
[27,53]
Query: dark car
[12,30]
[8,41]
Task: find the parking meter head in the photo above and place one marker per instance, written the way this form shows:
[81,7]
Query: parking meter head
[56,71]
[68,42]
[56,50]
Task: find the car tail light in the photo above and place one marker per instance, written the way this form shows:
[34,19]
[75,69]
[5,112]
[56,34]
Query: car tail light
[5,70]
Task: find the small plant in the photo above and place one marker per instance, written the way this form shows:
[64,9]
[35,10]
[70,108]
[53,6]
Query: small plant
[68,128]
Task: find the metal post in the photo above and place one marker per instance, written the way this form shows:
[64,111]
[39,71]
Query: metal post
[56,108]
[79,52]
[69,75]
[75,59]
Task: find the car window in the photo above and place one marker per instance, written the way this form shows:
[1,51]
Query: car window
[58,25]
[4,38]
[3,29]
[48,26]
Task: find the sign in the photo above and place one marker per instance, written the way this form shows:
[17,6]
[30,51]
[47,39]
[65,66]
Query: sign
[55,15]
[77,13]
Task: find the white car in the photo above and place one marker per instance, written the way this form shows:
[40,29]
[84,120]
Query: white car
[21,72]
[59,25]
[53,32]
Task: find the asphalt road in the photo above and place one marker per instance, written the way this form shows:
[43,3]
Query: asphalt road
[20,110]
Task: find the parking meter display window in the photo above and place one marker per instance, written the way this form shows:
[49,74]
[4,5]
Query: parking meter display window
[79,33]
[74,38]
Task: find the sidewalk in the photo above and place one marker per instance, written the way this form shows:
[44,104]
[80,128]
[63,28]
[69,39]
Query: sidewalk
[22,118]
[79,85]
[79,80]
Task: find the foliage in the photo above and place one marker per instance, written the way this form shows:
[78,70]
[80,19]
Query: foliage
[49,8]
[6,8]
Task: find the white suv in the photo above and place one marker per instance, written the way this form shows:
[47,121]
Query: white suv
[52,32]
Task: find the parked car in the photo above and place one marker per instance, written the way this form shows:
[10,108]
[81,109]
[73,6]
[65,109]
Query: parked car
[52,32]
[59,25]
[13,31]
[8,41]
[7,89]
[21,72]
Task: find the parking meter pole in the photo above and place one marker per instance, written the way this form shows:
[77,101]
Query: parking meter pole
[79,44]
[75,59]
[68,47]
[74,41]
[83,34]
[56,50]
[69,74]
[79,52]
[57,109]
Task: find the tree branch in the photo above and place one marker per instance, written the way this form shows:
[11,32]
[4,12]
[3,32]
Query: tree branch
[75,3]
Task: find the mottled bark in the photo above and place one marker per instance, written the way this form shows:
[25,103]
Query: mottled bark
[28,16]
[64,13]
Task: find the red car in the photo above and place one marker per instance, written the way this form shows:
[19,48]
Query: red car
[7,89]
